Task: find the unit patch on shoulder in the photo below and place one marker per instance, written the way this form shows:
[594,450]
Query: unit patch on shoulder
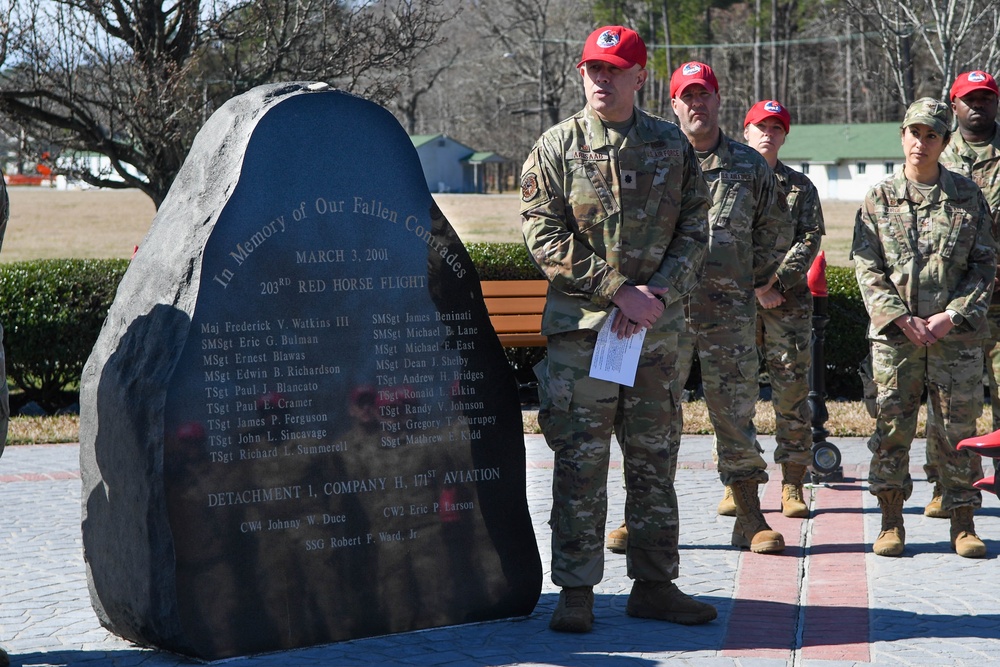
[529,187]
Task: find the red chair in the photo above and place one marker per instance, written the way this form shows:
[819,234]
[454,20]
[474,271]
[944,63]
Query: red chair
[984,445]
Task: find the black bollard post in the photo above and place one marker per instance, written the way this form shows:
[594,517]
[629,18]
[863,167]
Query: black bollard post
[826,456]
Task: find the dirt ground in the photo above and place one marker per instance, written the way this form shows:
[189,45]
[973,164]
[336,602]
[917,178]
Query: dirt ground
[53,224]
[46,224]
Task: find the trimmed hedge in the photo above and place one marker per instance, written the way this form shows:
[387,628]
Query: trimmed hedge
[844,348]
[846,334]
[510,261]
[503,261]
[52,312]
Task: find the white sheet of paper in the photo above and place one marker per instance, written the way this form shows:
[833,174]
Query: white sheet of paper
[616,360]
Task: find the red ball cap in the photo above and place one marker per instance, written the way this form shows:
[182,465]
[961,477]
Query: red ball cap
[768,109]
[691,73]
[615,44]
[966,82]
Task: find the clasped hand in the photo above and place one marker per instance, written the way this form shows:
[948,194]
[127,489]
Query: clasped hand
[924,332]
[639,306]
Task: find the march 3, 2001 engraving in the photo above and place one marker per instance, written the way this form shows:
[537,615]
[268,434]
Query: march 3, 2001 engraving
[299,425]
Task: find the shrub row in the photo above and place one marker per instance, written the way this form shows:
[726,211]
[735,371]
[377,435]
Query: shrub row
[52,312]
[844,348]
[846,334]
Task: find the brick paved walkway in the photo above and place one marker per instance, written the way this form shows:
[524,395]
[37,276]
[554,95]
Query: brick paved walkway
[827,601]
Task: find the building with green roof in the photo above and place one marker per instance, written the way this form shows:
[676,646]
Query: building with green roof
[451,166]
[844,161]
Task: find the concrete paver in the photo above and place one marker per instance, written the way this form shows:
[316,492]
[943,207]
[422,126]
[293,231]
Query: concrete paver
[826,602]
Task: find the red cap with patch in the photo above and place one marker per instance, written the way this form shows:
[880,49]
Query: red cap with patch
[691,73]
[768,109]
[615,44]
[966,82]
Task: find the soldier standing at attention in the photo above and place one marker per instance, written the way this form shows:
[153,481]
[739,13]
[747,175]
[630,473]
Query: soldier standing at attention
[925,260]
[614,213]
[749,232]
[974,152]
[784,313]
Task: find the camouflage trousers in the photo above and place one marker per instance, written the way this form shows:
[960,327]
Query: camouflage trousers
[577,415]
[991,367]
[729,373]
[784,339]
[952,374]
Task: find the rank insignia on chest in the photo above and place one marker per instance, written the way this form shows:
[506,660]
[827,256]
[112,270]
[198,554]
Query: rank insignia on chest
[628,179]
[529,187]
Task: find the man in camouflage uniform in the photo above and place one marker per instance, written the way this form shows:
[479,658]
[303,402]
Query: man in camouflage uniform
[784,313]
[614,213]
[974,151]
[925,260]
[750,231]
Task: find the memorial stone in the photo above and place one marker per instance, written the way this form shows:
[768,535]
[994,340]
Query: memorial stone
[298,425]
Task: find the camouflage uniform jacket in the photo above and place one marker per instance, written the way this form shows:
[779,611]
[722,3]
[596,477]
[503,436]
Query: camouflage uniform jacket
[749,233]
[914,257]
[982,167]
[805,210]
[595,218]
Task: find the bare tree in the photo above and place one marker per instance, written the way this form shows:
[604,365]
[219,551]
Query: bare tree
[955,35]
[540,42]
[134,81]
[364,46]
[420,80]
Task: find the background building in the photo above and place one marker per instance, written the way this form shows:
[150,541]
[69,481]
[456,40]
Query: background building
[451,166]
[844,161]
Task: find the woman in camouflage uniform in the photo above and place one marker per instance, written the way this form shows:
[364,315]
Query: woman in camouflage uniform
[925,258]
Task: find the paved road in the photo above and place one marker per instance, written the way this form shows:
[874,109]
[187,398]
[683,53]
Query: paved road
[827,601]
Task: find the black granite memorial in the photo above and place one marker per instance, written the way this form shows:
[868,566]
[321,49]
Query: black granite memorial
[298,426]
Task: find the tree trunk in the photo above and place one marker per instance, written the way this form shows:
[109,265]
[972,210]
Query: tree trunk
[848,84]
[756,52]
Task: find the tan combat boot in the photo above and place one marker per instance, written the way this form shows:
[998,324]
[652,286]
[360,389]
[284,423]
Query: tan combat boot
[726,506]
[964,540]
[617,539]
[792,504]
[574,611]
[891,540]
[934,509]
[751,530]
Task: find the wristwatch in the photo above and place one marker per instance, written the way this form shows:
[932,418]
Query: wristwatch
[955,318]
